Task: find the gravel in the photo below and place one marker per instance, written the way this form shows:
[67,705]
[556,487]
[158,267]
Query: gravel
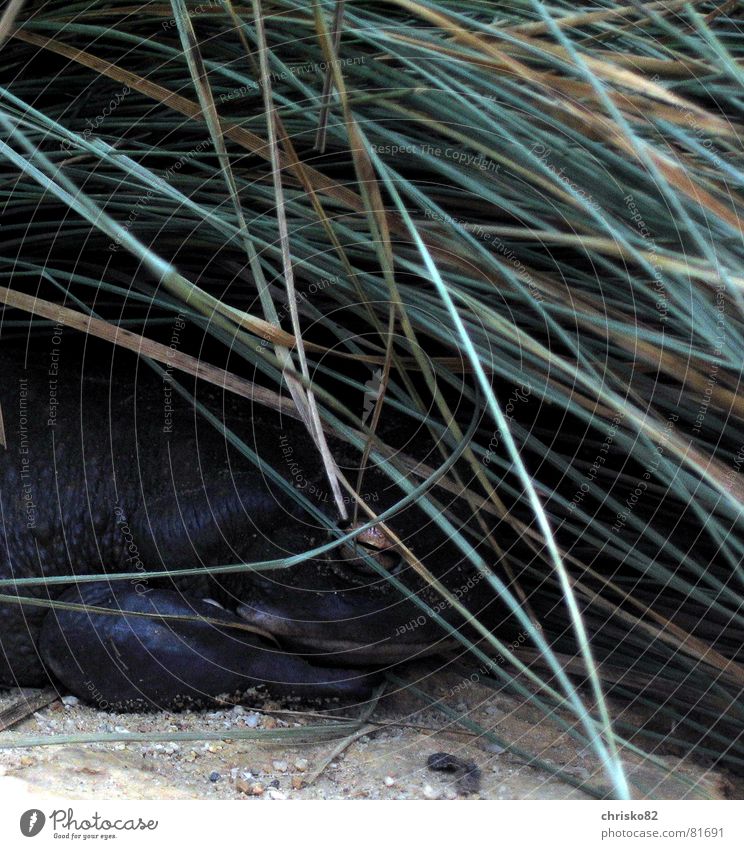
[392,764]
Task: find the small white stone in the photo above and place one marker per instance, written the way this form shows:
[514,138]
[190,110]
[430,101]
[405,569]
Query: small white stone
[301,764]
[280,766]
[276,794]
[430,792]
[70,701]
[252,720]
[389,780]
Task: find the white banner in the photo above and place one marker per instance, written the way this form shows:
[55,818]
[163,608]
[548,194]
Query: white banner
[32,820]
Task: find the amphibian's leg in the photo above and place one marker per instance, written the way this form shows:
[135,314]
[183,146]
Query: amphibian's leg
[135,662]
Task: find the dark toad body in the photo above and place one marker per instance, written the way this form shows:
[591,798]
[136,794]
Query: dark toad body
[104,474]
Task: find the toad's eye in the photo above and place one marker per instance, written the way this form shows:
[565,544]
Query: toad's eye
[373,542]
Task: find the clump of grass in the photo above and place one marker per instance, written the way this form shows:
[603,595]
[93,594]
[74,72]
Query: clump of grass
[528,212]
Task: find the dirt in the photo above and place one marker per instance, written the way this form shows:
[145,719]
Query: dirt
[389,761]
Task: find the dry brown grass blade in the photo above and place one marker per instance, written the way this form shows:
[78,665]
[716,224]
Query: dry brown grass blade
[667,68]
[680,178]
[612,247]
[325,98]
[145,347]
[303,395]
[579,19]
[8,19]
[722,9]
[379,401]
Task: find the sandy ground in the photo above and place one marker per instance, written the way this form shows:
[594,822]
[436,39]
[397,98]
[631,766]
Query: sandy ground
[389,761]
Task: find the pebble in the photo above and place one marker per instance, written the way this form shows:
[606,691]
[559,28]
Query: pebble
[280,766]
[389,780]
[579,771]
[214,776]
[274,784]
[494,749]
[243,786]
[301,764]
[257,789]
[70,701]
[276,794]
[297,782]
[269,722]
[430,792]
[252,720]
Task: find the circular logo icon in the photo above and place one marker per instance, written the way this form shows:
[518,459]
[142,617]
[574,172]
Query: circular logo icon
[32,822]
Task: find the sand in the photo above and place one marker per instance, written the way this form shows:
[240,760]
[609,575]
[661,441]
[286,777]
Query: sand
[388,761]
